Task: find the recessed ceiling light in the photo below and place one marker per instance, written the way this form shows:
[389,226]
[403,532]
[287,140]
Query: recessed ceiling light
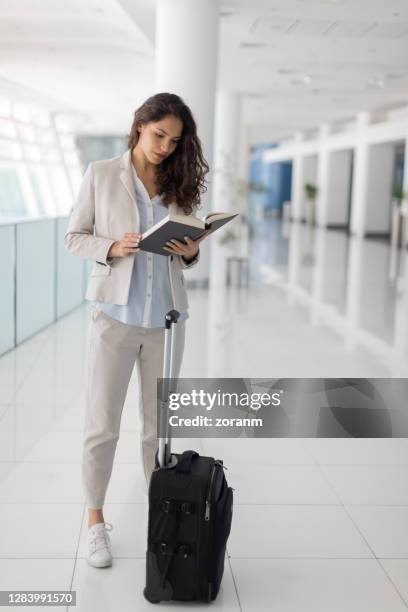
[302,79]
[324,1]
[286,71]
[256,95]
[250,45]
[376,82]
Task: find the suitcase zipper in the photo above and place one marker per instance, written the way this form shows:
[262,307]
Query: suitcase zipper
[208,497]
[207,586]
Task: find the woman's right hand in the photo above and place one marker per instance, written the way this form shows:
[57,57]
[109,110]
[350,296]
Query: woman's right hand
[124,247]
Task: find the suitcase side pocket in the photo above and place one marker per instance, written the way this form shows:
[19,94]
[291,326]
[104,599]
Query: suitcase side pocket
[222,528]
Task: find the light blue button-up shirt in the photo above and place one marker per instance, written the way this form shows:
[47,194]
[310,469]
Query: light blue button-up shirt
[150,290]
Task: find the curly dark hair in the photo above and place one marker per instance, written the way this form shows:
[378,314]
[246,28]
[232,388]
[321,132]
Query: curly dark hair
[181,175]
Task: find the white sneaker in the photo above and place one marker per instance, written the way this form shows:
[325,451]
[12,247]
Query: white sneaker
[99,545]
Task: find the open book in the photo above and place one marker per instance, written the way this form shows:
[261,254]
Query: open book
[177,226]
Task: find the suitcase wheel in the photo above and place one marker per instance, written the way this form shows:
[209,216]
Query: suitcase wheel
[154,601]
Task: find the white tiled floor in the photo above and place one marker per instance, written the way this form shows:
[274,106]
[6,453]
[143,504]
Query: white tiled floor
[293,585]
[319,524]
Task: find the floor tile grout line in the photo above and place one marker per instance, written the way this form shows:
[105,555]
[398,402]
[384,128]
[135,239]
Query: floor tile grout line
[268,505]
[67,462]
[141,557]
[3,414]
[354,465]
[231,556]
[77,547]
[68,503]
[29,369]
[324,505]
[392,582]
[37,356]
[402,465]
[363,538]
[234,581]
[405,466]
[70,558]
[328,505]
[373,559]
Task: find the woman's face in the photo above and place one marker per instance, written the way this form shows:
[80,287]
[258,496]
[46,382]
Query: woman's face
[158,139]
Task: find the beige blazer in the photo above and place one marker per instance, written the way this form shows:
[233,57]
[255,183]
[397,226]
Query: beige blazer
[105,210]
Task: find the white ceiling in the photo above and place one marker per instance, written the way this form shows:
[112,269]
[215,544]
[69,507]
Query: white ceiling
[84,55]
[297,63]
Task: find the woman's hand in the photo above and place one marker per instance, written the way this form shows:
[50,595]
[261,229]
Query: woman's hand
[187,251]
[126,246]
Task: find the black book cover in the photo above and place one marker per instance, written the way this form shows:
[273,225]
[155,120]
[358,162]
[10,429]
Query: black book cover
[171,229]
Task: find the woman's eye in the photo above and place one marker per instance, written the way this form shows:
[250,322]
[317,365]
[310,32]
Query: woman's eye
[161,136]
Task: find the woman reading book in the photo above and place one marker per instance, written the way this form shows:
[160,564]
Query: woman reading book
[163,171]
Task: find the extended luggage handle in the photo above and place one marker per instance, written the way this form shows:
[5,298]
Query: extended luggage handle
[184,462]
[164,451]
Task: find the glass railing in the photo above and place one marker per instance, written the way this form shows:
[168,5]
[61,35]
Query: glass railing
[40,281]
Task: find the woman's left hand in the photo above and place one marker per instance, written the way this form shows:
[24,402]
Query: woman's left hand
[187,250]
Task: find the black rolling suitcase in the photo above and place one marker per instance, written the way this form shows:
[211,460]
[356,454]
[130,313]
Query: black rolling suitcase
[190,512]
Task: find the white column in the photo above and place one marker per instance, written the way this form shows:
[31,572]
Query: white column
[243,165]
[354,288]
[339,188]
[323,168]
[297,198]
[379,188]
[186,64]
[322,245]
[227,132]
[401,318]
[360,177]
[230,166]
[405,179]
[225,187]
[294,260]
[405,190]
[219,332]
[309,176]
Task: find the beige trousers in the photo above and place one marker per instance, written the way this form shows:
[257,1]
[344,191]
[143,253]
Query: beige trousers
[113,350]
